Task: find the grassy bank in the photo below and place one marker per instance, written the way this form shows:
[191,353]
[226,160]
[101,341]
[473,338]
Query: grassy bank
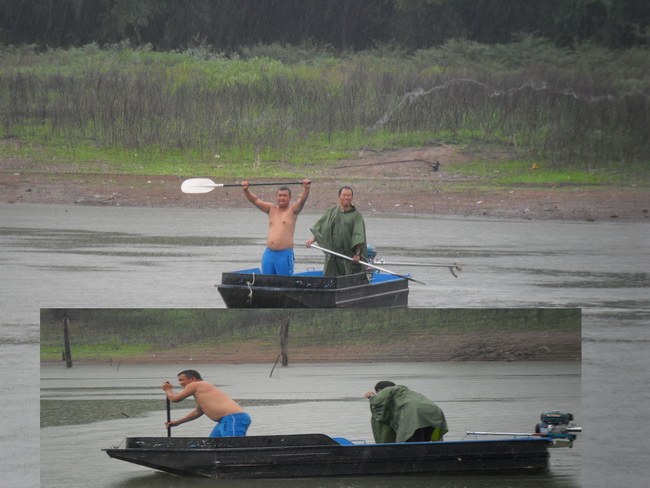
[135,111]
[119,334]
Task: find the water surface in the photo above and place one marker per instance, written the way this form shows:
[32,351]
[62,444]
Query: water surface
[73,256]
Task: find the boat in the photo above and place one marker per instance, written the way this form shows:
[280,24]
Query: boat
[249,288]
[318,455]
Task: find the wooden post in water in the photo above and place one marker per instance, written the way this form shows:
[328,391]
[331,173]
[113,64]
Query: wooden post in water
[67,354]
[284,340]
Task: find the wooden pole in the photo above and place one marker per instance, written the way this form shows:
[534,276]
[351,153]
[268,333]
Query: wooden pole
[169,417]
[284,340]
[275,364]
[67,354]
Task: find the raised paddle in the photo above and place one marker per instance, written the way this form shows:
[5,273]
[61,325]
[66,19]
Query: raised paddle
[364,263]
[205,185]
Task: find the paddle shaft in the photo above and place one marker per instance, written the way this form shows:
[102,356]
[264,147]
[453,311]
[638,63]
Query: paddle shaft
[431,265]
[265,184]
[205,185]
[505,433]
[169,418]
[451,267]
[364,263]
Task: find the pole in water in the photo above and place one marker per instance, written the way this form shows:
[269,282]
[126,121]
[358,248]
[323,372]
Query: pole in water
[169,418]
[66,342]
[276,363]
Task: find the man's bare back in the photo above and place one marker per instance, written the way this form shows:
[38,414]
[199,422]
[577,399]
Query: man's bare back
[210,400]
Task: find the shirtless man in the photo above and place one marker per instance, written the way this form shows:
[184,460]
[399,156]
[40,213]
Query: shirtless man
[231,419]
[278,256]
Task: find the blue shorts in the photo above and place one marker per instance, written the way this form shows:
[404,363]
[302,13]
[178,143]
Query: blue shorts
[277,262]
[234,425]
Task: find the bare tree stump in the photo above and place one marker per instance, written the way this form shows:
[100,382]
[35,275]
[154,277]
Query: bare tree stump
[67,354]
[284,340]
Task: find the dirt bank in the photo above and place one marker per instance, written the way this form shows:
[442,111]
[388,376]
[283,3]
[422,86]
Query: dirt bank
[406,181]
[522,345]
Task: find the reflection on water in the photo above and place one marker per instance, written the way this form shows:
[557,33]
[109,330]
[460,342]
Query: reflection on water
[157,480]
[71,240]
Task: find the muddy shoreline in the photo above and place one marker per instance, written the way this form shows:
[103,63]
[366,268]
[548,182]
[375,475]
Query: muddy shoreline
[525,345]
[406,181]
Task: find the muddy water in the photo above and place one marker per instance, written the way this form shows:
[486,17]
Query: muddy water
[69,256]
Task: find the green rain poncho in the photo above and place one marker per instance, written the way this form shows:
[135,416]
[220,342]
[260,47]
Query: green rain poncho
[398,412]
[341,231]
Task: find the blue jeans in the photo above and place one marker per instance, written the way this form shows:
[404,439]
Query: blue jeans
[234,425]
[277,262]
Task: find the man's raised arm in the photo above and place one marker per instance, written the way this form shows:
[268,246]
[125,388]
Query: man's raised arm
[300,203]
[255,200]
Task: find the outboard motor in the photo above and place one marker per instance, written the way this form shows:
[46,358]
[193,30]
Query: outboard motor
[554,423]
[559,427]
[555,426]
[372,254]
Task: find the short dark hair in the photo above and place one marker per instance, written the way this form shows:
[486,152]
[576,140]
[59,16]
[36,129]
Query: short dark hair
[345,188]
[191,373]
[282,188]
[383,384]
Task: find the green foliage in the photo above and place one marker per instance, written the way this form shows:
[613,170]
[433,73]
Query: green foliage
[106,351]
[307,52]
[256,26]
[136,110]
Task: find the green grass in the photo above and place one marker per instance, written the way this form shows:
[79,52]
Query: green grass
[320,154]
[135,111]
[508,173]
[89,158]
[98,351]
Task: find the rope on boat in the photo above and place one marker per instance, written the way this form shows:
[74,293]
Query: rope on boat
[120,444]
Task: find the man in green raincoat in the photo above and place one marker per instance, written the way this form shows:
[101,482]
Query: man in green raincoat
[342,229]
[403,415]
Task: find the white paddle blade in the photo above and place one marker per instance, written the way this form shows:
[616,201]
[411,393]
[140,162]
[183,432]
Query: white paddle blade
[199,185]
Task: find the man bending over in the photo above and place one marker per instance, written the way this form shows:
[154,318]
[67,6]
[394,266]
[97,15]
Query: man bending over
[231,419]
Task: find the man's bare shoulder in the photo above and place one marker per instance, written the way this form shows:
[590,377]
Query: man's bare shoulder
[266,207]
[206,386]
